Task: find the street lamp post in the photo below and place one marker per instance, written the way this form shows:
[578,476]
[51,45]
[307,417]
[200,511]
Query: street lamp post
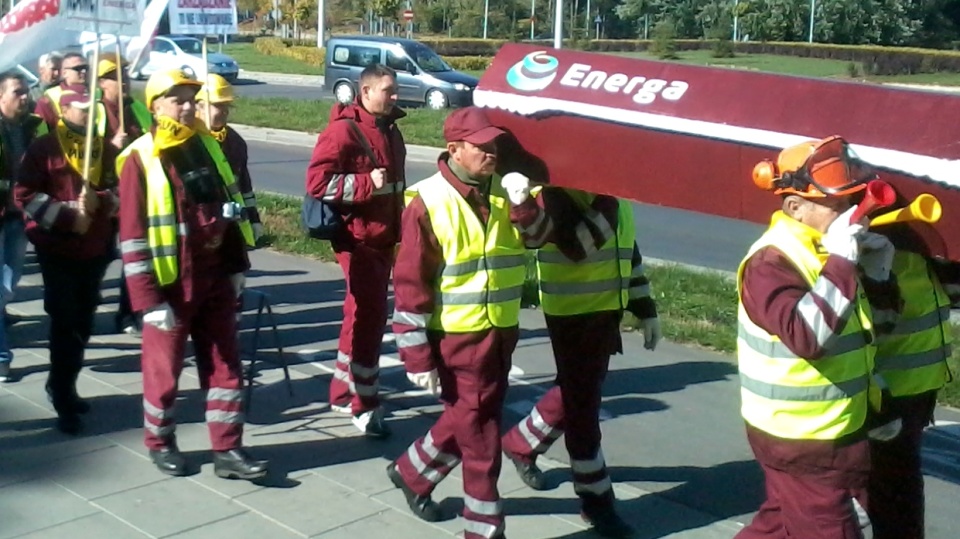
[813,8]
[736,18]
[486,14]
[320,24]
[558,26]
[533,18]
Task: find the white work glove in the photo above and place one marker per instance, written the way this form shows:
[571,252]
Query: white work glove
[651,332]
[876,256]
[160,317]
[841,237]
[429,380]
[257,231]
[238,281]
[517,187]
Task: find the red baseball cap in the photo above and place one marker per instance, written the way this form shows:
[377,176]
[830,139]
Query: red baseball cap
[470,124]
[70,98]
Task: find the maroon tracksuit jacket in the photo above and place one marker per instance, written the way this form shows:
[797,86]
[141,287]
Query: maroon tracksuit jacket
[339,174]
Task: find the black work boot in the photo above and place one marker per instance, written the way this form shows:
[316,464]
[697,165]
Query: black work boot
[530,474]
[71,403]
[422,506]
[237,464]
[69,423]
[169,460]
[606,522]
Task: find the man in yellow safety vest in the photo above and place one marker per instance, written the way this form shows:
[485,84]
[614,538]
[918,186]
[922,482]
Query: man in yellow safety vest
[805,343]
[183,238]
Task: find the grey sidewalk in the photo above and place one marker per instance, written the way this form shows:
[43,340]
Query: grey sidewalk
[327,480]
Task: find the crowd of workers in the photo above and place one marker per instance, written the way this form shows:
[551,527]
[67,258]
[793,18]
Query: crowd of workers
[843,331]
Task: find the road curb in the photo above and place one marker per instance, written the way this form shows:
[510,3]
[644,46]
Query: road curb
[282,78]
[288,137]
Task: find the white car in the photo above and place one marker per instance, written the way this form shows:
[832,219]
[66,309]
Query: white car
[170,52]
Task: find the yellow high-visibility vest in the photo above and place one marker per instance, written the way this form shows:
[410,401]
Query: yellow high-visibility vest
[598,283]
[140,113]
[912,359]
[481,281]
[788,396]
[163,227]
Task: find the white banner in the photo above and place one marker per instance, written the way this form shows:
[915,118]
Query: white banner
[116,17]
[32,28]
[203,17]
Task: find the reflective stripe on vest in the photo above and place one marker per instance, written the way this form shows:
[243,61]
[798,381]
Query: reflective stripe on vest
[913,358]
[140,114]
[598,283]
[788,396]
[481,281]
[163,227]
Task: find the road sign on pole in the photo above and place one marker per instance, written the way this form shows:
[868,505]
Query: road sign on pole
[408,14]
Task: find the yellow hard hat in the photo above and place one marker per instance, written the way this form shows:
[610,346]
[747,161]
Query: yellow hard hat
[220,90]
[162,82]
[108,63]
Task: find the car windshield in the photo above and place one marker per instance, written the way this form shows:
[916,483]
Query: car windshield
[428,60]
[189,45]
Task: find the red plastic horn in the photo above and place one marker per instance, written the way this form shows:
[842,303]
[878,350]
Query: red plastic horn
[879,195]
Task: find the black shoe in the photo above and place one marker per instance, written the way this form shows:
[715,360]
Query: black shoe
[529,473]
[69,423]
[237,464]
[11,319]
[74,403]
[128,324]
[372,424]
[422,506]
[169,460]
[607,523]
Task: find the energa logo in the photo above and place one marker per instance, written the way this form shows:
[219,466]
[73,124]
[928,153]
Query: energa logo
[535,72]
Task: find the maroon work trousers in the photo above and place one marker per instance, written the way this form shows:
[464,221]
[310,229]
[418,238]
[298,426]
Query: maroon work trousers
[356,378]
[210,320]
[804,507]
[571,408]
[473,371]
[896,480]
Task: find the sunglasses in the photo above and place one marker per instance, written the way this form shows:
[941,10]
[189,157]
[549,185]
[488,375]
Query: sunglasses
[79,68]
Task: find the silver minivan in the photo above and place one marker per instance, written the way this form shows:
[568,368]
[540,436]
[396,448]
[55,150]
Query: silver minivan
[422,75]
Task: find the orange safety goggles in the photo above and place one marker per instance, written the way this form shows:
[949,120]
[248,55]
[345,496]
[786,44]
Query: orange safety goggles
[817,169]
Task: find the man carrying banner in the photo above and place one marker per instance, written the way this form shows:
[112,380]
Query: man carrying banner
[183,238]
[73,76]
[18,128]
[214,102]
[69,224]
[137,122]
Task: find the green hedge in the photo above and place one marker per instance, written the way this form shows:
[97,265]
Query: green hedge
[274,46]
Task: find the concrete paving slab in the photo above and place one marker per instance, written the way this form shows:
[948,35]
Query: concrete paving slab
[35,505]
[315,506]
[170,506]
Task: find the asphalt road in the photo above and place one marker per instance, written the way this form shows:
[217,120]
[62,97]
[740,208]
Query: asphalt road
[665,233]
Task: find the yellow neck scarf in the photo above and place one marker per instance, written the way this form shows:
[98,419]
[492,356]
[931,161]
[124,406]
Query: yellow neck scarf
[220,134]
[172,133]
[73,149]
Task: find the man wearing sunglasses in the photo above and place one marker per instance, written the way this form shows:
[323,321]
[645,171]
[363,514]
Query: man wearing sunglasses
[805,339]
[73,77]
